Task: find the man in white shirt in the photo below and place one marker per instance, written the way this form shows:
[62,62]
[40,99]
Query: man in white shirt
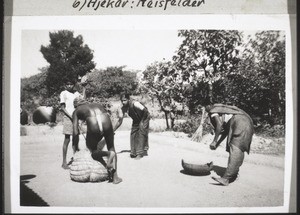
[67,107]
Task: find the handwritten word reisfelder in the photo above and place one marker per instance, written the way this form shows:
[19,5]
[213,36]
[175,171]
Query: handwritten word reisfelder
[164,4]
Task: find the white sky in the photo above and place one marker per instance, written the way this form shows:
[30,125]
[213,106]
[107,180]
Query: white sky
[134,48]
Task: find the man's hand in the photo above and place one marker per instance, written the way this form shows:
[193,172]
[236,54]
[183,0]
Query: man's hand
[213,145]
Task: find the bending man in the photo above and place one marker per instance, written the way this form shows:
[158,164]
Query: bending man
[237,126]
[140,126]
[98,126]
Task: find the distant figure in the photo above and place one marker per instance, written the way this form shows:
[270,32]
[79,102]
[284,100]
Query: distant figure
[66,102]
[140,126]
[23,117]
[98,126]
[237,126]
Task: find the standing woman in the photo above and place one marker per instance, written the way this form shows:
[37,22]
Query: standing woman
[67,107]
[139,145]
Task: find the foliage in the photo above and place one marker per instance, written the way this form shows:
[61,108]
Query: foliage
[204,57]
[103,101]
[68,57]
[263,64]
[33,90]
[111,82]
[191,124]
[220,66]
[34,86]
[160,81]
[276,131]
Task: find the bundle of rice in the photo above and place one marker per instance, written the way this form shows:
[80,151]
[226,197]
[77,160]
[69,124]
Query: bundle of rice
[85,169]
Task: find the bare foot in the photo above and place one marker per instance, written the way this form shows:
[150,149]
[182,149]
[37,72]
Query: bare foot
[117,180]
[65,166]
[110,174]
[222,181]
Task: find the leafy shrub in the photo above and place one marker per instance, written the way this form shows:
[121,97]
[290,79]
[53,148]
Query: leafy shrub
[103,101]
[267,130]
[191,125]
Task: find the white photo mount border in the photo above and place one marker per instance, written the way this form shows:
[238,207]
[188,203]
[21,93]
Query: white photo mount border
[239,22]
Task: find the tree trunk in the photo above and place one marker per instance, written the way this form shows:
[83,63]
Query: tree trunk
[279,105]
[210,92]
[172,118]
[163,109]
[167,121]
[197,136]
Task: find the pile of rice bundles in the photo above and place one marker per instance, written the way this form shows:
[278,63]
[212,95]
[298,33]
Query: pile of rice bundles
[85,169]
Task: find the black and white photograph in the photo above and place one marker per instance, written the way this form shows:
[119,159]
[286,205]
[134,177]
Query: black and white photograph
[147,114]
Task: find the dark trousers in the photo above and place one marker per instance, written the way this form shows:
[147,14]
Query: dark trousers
[139,137]
[235,160]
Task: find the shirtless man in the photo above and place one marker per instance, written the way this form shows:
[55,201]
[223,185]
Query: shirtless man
[98,126]
[139,144]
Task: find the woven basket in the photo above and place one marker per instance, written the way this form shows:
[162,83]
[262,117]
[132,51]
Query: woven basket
[197,169]
[85,169]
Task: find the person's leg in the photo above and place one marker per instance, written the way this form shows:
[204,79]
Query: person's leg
[146,133]
[133,139]
[109,138]
[65,149]
[235,160]
[75,148]
[140,141]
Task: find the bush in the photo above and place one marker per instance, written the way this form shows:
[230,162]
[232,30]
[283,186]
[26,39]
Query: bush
[191,124]
[267,130]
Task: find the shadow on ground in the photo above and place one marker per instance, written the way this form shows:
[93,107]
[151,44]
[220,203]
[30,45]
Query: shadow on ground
[27,196]
[187,173]
[123,151]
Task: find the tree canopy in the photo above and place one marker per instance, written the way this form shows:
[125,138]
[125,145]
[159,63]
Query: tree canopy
[222,66]
[68,57]
[111,82]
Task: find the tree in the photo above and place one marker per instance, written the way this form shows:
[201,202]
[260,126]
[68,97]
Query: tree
[33,90]
[68,57]
[160,80]
[204,57]
[263,69]
[111,82]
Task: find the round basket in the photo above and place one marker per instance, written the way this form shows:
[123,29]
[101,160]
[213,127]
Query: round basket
[197,169]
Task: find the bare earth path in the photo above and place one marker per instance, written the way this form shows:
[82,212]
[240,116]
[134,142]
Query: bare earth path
[154,181]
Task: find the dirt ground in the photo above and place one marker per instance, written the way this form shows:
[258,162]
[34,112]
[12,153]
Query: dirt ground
[155,181]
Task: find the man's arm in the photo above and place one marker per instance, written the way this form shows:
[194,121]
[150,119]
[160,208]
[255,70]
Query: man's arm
[84,92]
[75,138]
[63,109]
[215,120]
[120,116]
